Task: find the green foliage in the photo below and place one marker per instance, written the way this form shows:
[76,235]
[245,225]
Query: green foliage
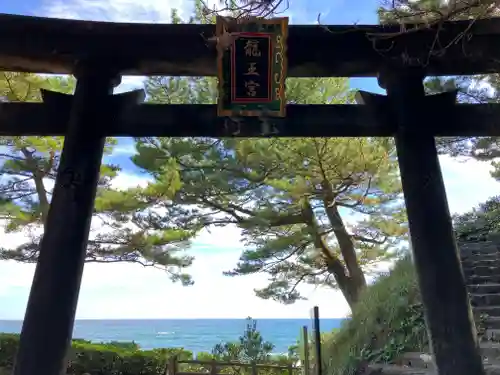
[298,350]
[251,347]
[123,345]
[480,222]
[27,163]
[475,89]
[113,358]
[471,89]
[28,166]
[126,358]
[433,11]
[387,321]
[8,349]
[182,90]
[291,197]
[133,228]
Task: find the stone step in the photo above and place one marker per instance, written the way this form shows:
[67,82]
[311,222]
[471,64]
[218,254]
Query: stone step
[480,253]
[415,360]
[402,370]
[490,350]
[492,334]
[384,369]
[484,289]
[492,322]
[478,249]
[472,263]
[413,363]
[482,271]
[474,249]
[492,369]
[425,360]
[492,259]
[489,310]
[479,300]
[475,280]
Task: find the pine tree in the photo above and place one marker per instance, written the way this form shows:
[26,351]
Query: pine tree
[250,348]
[294,199]
[479,223]
[27,173]
[471,89]
[434,11]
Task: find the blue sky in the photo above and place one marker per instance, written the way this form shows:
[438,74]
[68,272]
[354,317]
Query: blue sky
[130,291]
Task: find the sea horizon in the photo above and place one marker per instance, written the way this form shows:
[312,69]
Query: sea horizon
[201,318]
[199,335]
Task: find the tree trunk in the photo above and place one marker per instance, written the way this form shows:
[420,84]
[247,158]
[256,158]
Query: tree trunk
[349,287]
[350,283]
[345,243]
[38,177]
[356,275]
[42,197]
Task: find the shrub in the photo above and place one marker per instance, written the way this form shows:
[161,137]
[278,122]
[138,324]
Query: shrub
[387,321]
[8,349]
[126,358]
[251,348]
[113,358]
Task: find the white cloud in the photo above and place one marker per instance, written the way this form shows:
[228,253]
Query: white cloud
[226,238]
[130,83]
[123,150]
[148,11]
[131,291]
[213,295]
[125,180]
[468,182]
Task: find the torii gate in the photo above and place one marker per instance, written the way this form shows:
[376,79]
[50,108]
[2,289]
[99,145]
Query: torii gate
[99,53]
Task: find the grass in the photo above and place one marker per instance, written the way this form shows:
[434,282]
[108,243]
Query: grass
[386,322]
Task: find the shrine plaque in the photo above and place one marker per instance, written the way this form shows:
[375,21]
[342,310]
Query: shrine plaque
[252,71]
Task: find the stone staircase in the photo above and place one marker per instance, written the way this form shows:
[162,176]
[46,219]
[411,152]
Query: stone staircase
[481,266]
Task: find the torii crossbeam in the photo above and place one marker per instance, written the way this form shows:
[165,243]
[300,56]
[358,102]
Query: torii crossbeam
[97,53]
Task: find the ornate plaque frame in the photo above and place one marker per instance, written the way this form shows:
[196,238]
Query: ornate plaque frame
[252,71]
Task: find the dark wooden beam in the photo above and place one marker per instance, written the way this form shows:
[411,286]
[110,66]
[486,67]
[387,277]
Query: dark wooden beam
[52,118]
[44,45]
[50,314]
[451,329]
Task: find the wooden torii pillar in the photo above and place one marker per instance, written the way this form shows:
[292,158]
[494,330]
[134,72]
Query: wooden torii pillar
[50,314]
[450,324]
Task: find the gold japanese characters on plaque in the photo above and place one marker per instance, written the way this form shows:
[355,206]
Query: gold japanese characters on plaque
[252,70]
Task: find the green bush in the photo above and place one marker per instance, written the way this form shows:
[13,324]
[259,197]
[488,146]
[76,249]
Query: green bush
[126,358]
[251,348]
[387,321]
[113,358]
[8,349]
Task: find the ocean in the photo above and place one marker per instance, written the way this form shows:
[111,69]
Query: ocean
[197,335]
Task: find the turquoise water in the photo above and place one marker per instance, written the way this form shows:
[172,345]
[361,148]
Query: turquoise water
[197,335]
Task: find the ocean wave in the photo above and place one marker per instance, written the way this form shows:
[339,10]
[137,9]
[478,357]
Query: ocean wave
[165,333]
